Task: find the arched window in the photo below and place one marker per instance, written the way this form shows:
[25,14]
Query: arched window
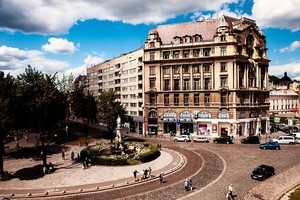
[223,115]
[204,115]
[152,114]
[250,40]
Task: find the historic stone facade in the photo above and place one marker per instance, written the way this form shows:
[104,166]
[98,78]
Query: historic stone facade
[208,77]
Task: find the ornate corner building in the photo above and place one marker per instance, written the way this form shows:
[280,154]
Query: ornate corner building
[207,77]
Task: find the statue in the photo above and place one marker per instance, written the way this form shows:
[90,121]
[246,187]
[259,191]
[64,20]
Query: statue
[118,130]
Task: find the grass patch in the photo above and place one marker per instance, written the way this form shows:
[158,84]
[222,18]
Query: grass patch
[295,195]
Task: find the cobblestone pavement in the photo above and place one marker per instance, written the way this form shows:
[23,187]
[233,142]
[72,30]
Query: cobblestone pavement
[213,167]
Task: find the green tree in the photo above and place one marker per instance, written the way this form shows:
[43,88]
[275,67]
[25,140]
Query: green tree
[43,104]
[7,102]
[109,108]
[275,80]
[83,105]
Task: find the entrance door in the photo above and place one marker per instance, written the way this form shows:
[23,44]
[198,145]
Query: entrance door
[224,131]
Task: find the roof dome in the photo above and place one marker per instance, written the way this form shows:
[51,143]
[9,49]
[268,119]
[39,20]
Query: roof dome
[153,32]
[285,78]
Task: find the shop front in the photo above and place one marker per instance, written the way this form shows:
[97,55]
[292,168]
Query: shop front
[152,123]
[186,123]
[169,122]
[204,125]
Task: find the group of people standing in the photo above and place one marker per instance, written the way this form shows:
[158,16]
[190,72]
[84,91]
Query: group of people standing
[145,173]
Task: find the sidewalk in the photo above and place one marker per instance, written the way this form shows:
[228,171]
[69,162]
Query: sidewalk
[72,178]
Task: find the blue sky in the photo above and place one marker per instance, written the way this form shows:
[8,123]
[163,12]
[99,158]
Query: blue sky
[67,36]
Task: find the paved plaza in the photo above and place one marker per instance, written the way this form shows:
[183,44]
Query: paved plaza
[212,167]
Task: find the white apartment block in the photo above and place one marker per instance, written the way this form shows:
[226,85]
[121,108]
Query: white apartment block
[123,74]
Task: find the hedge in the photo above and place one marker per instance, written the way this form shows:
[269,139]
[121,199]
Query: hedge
[149,155]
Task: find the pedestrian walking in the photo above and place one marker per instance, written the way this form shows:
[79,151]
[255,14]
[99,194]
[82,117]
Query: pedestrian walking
[72,155]
[146,173]
[79,143]
[17,145]
[149,172]
[63,154]
[134,174]
[190,183]
[230,192]
[161,178]
[186,185]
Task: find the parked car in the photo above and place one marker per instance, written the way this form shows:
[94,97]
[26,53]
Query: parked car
[200,139]
[253,139]
[285,140]
[182,138]
[270,145]
[224,140]
[262,172]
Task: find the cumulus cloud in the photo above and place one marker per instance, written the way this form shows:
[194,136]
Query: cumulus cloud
[277,14]
[59,46]
[292,69]
[33,16]
[93,60]
[295,45]
[14,61]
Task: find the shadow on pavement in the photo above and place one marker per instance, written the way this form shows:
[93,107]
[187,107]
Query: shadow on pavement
[30,173]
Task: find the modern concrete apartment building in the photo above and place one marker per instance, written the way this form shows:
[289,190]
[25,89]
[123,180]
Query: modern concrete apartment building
[207,77]
[123,74]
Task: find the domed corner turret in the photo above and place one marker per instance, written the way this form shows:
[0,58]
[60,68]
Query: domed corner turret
[153,32]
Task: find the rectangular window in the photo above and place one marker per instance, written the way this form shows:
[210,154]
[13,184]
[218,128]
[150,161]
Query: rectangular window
[223,98]
[196,52]
[176,54]
[186,84]
[223,51]
[186,53]
[223,67]
[152,56]
[176,70]
[166,70]
[206,67]
[152,70]
[186,99]
[176,85]
[196,69]
[206,52]
[166,100]
[185,69]
[207,84]
[152,99]
[152,83]
[196,99]
[166,55]
[196,84]
[206,99]
[176,99]
[223,81]
[166,84]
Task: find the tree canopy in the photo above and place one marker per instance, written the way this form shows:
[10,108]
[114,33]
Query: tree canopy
[109,108]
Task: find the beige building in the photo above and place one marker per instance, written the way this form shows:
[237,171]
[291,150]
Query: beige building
[206,77]
[123,74]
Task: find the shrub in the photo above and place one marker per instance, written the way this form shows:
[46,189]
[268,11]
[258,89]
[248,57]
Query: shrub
[149,155]
[111,161]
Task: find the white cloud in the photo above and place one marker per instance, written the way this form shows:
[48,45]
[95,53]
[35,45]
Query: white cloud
[277,14]
[292,69]
[33,15]
[93,60]
[59,46]
[14,61]
[295,45]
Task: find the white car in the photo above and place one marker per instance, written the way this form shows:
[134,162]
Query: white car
[182,138]
[285,140]
[200,139]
